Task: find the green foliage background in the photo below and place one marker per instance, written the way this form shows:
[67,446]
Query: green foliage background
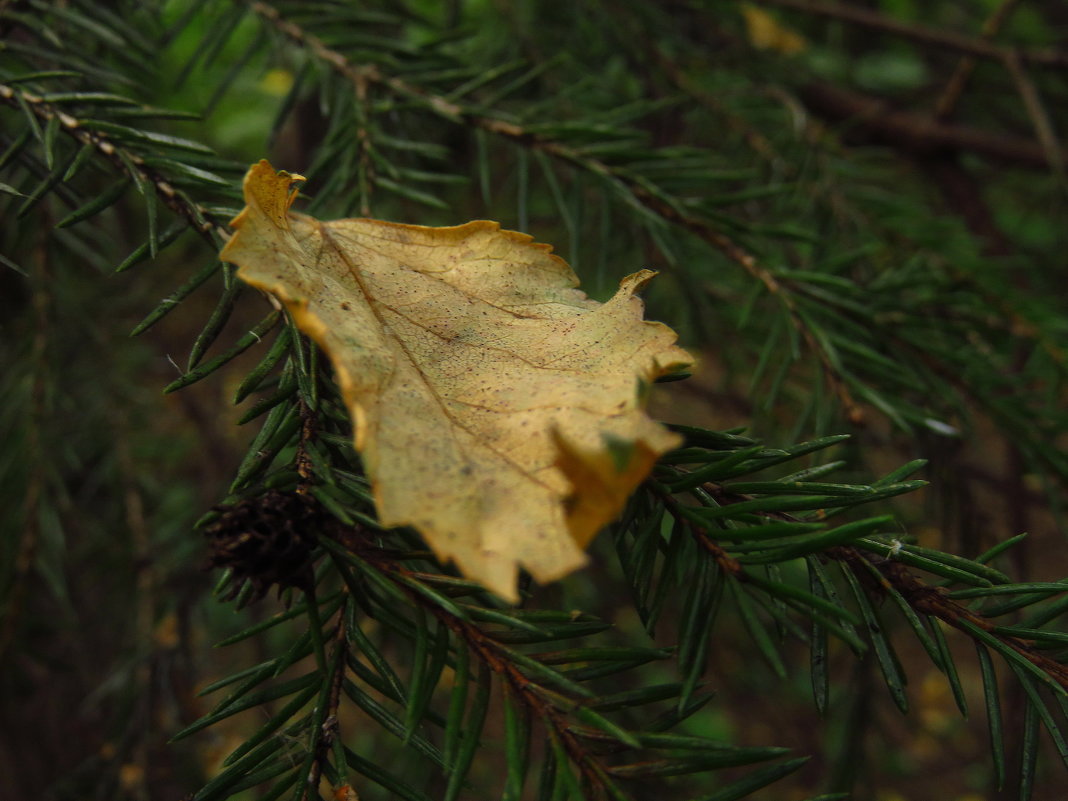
[858,214]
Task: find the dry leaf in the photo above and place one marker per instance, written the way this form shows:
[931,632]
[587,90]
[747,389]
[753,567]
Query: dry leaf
[767,33]
[497,408]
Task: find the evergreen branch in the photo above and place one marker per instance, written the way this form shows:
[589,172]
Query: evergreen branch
[922,597]
[127,163]
[727,563]
[874,20]
[641,192]
[329,733]
[754,139]
[490,652]
[933,601]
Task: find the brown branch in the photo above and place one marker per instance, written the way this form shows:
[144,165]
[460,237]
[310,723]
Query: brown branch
[328,731]
[639,190]
[921,596]
[490,652]
[873,120]
[933,601]
[329,728]
[1036,112]
[127,163]
[301,459]
[727,563]
[966,66]
[933,37]
[363,145]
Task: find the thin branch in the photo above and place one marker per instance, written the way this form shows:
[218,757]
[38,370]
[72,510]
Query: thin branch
[957,82]
[945,40]
[1040,119]
[921,596]
[492,653]
[329,729]
[871,119]
[754,139]
[727,563]
[933,601]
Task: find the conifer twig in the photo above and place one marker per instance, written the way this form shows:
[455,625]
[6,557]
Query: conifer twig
[490,652]
[125,161]
[933,601]
[919,594]
[329,728]
[726,562]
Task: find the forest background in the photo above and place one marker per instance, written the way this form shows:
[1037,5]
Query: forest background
[858,215]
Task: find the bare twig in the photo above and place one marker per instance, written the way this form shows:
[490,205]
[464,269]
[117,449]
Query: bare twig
[1043,126]
[874,120]
[957,82]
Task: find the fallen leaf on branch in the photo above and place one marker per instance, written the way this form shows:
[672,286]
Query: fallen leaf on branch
[498,410]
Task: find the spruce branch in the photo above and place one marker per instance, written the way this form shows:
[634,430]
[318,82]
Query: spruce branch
[933,601]
[328,735]
[923,597]
[126,162]
[727,563]
[548,706]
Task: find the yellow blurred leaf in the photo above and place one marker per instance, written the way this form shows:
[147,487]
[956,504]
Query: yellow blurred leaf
[767,33]
[277,82]
[166,634]
[498,410]
[132,778]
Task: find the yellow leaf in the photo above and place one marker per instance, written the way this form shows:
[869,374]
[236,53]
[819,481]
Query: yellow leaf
[767,33]
[497,408]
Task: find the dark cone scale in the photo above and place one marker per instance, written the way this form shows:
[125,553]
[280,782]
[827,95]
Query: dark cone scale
[268,540]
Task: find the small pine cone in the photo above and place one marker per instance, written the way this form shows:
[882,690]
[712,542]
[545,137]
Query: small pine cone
[268,540]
